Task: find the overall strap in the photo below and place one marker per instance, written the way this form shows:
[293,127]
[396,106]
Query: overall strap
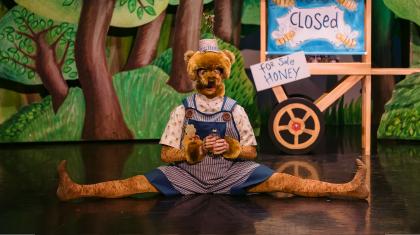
[189,102]
[228,104]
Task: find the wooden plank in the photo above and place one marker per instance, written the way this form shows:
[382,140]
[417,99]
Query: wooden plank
[339,68]
[322,96]
[279,93]
[324,102]
[367,82]
[394,71]
[356,69]
[263,30]
[366,114]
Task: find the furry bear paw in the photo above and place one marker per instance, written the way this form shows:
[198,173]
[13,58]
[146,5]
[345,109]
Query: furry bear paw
[193,151]
[234,148]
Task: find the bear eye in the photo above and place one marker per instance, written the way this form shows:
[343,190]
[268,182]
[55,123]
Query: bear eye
[201,71]
[219,70]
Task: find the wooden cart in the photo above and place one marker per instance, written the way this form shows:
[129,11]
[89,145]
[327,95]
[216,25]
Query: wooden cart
[296,124]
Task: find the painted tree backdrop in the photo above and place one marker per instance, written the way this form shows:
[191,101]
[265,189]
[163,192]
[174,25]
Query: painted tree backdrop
[50,42]
[107,75]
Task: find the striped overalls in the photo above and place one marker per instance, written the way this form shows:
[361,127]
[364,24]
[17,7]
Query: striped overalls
[214,174]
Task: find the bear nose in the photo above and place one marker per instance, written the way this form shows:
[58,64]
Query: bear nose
[211,78]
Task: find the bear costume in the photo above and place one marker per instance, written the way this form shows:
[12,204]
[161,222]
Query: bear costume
[210,145]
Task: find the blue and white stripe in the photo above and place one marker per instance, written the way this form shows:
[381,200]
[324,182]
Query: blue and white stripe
[214,174]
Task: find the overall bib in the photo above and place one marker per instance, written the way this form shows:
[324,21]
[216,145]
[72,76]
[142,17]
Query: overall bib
[214,174]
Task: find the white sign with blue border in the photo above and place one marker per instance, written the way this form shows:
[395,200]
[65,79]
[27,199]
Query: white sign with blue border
[321,27]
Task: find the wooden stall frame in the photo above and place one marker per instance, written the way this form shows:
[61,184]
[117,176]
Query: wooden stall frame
[355,71]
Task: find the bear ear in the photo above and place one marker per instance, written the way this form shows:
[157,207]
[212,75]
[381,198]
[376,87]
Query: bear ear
[230,55]
[188,55]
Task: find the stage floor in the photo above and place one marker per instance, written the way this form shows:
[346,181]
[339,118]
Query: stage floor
[28,182]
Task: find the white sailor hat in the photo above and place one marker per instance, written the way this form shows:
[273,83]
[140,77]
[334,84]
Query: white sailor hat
[209,44]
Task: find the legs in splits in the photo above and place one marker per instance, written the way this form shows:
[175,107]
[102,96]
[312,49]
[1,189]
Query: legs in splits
[281,182]
[67,189]
[278,182]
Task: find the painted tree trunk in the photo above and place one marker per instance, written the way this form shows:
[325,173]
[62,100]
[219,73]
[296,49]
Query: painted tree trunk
[49,71]
[186,37]
[165,39]
[119,48]
[103,116]
[227,22]
[145,46]
[115,58]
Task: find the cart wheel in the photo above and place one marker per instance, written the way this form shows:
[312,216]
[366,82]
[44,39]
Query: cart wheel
[295,125]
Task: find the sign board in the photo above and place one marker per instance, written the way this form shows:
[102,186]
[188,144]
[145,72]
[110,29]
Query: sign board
[316,27]
[280,71]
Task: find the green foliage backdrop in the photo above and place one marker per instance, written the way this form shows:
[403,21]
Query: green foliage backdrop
[141,93]
[409,10]
[146,100]
[16,47]
[345,114]
[401,119]
[251,12]
[127,13]
[37,122]
[144,96]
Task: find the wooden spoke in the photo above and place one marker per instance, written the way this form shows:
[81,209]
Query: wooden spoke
[309,131]
[296,140]
[307,115]
[291,114]
[282,128]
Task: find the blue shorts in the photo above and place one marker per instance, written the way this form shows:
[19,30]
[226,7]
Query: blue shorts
[158,179]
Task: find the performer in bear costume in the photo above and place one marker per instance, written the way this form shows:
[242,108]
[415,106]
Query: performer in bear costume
[210,144]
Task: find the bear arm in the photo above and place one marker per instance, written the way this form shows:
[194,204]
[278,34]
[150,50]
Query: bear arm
[248,152]
[238,151]
[192,153]
[170,154]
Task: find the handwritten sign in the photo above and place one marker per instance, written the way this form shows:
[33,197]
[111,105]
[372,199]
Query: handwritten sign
[280,71]
[316,27]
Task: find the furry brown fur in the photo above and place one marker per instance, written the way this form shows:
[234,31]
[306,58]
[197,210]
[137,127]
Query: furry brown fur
[171,155]
[208,70]
[68,190]
[280,182]
[193,151]
[248,152]
[234,148]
